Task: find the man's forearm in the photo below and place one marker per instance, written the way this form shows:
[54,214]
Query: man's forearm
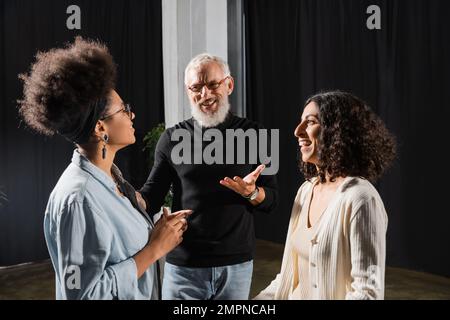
[270,200]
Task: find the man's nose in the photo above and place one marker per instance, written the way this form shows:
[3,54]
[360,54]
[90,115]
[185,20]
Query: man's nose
[205,91]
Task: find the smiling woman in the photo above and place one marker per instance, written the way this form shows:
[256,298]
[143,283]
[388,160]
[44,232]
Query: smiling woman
[348,140]
[336,241]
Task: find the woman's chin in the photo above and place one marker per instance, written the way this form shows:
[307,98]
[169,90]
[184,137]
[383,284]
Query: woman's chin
[131,141]
[132,138]
[306,158]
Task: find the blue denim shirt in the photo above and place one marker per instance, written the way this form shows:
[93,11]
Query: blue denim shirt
[92,233]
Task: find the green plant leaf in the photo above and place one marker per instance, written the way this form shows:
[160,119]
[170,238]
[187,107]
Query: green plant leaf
[150,141]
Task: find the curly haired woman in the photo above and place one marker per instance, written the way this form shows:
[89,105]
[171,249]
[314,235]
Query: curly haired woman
[336,242]
[102,244]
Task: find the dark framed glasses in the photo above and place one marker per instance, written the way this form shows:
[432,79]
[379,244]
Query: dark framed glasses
[126,109]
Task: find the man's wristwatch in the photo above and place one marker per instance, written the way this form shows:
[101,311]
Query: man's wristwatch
[253,195]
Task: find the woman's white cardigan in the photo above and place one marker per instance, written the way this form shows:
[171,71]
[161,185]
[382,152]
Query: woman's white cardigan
[348,250]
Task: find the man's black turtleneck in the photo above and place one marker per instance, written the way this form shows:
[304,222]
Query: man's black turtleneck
[220,230]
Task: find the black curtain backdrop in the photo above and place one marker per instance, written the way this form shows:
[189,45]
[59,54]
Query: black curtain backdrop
[299,47]
[30,164]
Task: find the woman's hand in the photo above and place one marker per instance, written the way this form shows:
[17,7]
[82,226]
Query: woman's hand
[168,231]
[167,234]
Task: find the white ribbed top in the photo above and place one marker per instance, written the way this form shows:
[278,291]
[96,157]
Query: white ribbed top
[301,240]
[347,250]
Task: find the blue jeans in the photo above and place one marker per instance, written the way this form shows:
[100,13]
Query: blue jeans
[214,283]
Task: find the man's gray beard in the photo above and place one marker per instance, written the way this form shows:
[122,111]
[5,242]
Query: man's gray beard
[208,121]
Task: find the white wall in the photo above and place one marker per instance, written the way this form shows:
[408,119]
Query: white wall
[190,27]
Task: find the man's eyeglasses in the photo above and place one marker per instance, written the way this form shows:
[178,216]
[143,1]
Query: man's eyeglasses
[211,85]
[126,109]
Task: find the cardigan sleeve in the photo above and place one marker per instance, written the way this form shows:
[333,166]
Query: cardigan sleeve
[269,292]
[367,235]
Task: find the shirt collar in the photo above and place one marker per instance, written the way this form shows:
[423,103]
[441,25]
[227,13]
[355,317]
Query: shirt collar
[84,164]
[227,122]
[342,187]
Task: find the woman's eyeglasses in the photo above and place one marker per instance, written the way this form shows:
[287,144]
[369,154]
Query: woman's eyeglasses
[126,109]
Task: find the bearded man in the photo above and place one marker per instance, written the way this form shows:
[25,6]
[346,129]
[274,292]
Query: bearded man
[215,258]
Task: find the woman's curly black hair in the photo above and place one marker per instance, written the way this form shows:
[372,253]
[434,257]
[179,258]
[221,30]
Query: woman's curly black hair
[63,83]
[353,140]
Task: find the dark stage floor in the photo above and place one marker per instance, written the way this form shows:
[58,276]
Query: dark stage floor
[36,280]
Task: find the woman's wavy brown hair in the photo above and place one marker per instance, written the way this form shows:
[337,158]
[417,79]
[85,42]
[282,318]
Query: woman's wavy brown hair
[353,140]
